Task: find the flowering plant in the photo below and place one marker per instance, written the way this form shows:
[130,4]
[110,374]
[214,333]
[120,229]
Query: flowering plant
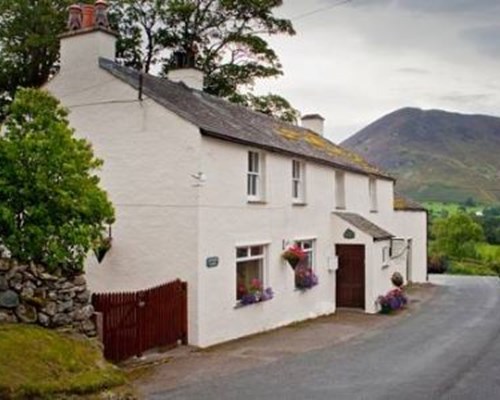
[255,293]
[393,300]
[305,278]
[293,254]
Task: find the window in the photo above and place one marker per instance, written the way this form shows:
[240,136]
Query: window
[298,181]
[305,278]
[250,264]
[255,176]
[339,189]
[307,247]
[373,194]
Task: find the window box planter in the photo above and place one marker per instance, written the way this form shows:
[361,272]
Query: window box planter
[305,278]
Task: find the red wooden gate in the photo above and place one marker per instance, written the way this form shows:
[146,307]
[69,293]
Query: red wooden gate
[134,322]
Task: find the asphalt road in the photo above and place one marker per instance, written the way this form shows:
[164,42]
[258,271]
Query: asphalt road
[450,350]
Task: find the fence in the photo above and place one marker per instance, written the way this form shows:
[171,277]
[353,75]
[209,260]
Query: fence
[134,322]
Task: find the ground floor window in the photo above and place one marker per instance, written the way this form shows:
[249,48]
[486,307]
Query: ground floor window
[250,267]
[305,276]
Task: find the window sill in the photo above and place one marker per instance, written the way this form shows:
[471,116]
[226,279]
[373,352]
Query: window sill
[249,201]
[304,290]
[240,305]
[385,266]
[340,208]
[374,211]
[299,204]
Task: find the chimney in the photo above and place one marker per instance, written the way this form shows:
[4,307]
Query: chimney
[88,38]
[314,122]
[185,70]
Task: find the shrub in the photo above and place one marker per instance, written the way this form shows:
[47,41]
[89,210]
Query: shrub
[437,263]
[52,210]
[393,300]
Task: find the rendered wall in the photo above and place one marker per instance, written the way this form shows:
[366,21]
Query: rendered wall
[149,156]
[227,220]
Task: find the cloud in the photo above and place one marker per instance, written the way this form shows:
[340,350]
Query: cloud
[413,71]
[485,39]
[466,99]
[434,6]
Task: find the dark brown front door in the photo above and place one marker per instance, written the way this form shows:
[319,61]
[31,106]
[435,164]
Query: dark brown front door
[351,276]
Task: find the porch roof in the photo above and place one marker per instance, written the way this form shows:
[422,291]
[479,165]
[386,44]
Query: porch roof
[364,225]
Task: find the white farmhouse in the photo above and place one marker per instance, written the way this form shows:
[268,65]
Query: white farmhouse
[213,193]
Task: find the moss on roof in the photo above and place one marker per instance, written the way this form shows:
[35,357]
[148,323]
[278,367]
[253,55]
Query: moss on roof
[318,142]
[403,203]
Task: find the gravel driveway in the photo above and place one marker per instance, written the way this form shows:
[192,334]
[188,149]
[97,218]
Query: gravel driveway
[449,349]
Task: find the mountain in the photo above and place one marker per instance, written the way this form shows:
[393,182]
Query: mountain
[436,155]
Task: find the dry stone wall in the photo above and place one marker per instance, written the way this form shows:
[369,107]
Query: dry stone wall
[29,294]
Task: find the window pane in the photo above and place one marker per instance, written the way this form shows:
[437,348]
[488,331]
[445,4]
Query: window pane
[256,250]
[246,271]
[307,244]
[242,252]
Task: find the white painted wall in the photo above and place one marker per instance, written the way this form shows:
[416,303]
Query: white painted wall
[413,224]
[227,220]
[149,156]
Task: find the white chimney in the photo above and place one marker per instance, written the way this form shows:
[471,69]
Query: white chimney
[185,70]
[88,38]
[314,122]
[191,77]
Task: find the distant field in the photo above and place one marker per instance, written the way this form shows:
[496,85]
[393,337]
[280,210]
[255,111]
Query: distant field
[437,208]
[489,252]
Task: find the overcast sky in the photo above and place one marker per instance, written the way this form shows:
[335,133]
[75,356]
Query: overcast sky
[356,62]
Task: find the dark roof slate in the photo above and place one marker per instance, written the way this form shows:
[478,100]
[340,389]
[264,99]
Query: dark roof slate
[219,118]
[364,225]
[403,203]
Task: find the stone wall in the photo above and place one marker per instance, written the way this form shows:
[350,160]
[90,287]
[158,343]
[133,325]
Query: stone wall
[29,294]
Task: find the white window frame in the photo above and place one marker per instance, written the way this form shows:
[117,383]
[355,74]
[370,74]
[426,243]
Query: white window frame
[372,191]
[340,201]
[298,182]
[311,250]
[255,175]
[252,257]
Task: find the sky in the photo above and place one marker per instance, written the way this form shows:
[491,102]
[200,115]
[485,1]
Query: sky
[355,61]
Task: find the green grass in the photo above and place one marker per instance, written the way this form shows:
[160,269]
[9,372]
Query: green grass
[489,252]
[470,268]
[40,363]
[437,208]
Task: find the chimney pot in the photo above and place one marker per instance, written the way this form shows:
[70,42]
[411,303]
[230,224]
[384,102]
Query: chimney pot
[75,17]
[314,122]
[88,16]
[101,14]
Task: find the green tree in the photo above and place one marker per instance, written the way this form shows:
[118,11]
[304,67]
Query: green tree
[52,210]
[227,36]
[29,47]
[457,235]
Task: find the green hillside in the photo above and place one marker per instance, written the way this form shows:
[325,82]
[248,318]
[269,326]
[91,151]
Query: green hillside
[436,155]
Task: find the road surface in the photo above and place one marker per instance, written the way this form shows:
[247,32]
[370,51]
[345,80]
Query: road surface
[448,350]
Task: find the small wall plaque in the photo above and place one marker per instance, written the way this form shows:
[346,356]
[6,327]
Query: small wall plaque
[349,234]
[212,262]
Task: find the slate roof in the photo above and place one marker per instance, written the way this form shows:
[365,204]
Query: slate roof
[368,227]
[403,203]
[219,118]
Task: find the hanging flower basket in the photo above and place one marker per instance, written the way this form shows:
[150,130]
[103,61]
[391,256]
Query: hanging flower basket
[293,255]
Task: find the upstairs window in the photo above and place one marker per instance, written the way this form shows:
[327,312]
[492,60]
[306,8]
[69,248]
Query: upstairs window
[255,176]
[373,194]
[298,181]
[339,189]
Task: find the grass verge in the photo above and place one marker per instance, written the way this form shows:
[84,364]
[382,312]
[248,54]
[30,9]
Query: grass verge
[44,364]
